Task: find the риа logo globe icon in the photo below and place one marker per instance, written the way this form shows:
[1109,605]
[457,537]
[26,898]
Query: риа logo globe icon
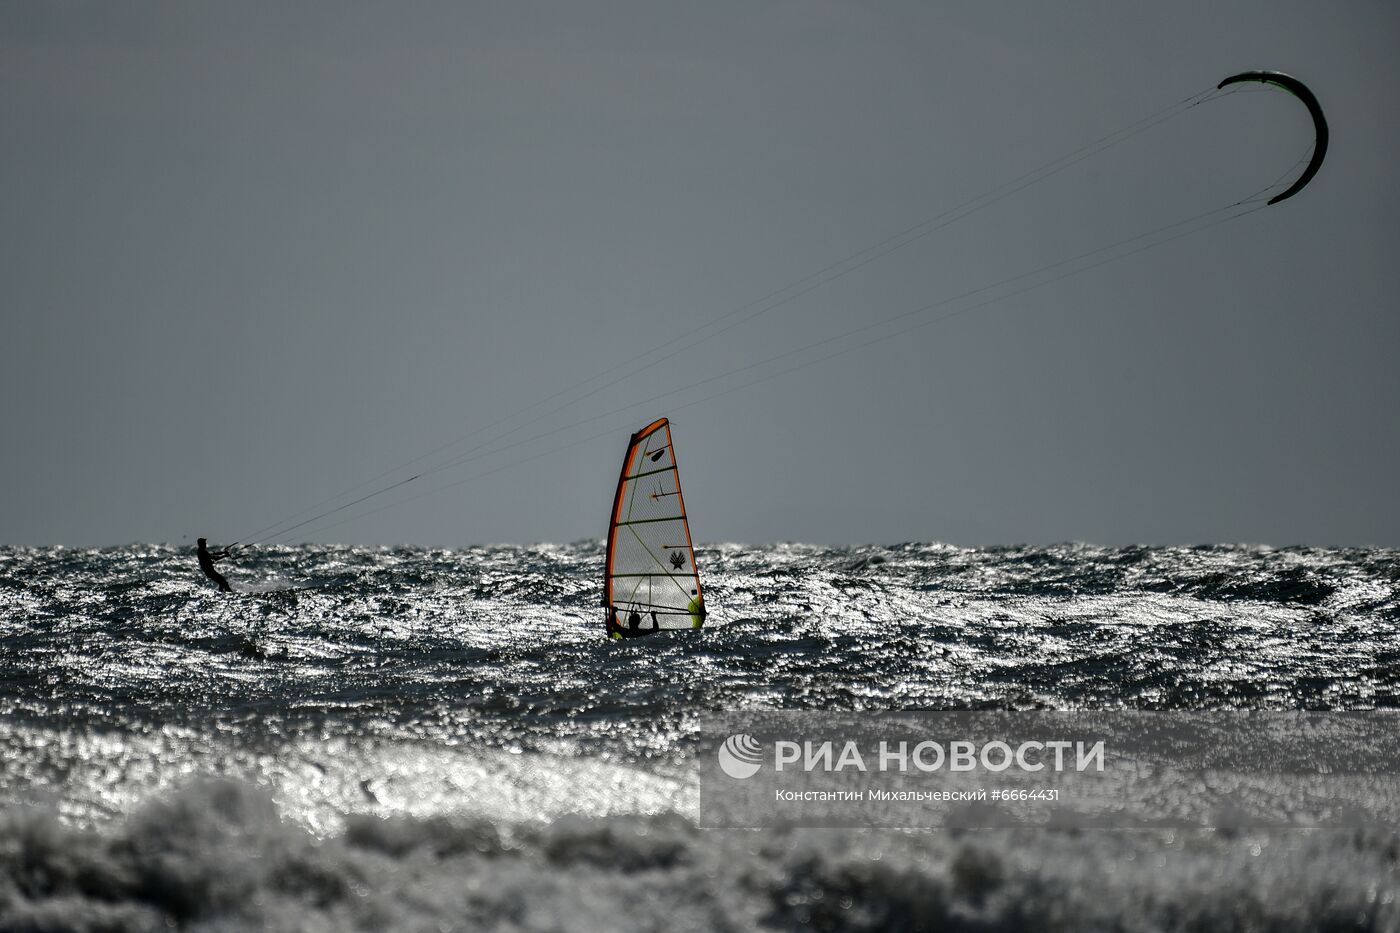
[740,756]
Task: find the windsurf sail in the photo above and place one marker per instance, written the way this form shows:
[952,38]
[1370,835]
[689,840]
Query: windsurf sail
[650,581]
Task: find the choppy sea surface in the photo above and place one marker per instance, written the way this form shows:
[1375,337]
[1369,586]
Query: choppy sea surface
[413,739]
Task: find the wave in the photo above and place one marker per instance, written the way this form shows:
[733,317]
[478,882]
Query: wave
[218,855]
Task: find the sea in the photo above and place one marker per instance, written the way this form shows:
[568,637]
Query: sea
[420,739]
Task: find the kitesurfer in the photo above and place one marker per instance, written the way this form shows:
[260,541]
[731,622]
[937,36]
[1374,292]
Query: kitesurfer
[206,563]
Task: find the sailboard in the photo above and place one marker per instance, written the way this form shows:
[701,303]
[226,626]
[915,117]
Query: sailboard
[650,581]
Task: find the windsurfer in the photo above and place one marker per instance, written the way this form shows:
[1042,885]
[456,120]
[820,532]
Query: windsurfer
[633,628]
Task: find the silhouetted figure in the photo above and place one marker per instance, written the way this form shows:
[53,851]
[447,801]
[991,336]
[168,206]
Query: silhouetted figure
[634,624]
[206,563]
[633,628]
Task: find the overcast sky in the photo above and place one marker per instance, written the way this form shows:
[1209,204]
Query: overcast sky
[255,254]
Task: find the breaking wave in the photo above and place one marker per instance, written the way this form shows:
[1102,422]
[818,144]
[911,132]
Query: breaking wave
[217,856]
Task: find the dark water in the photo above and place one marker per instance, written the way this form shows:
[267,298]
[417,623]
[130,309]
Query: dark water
[414,739]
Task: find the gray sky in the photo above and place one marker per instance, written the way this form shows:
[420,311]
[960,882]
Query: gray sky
[252,254]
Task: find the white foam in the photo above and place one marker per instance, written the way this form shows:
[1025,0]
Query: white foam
[221,856]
